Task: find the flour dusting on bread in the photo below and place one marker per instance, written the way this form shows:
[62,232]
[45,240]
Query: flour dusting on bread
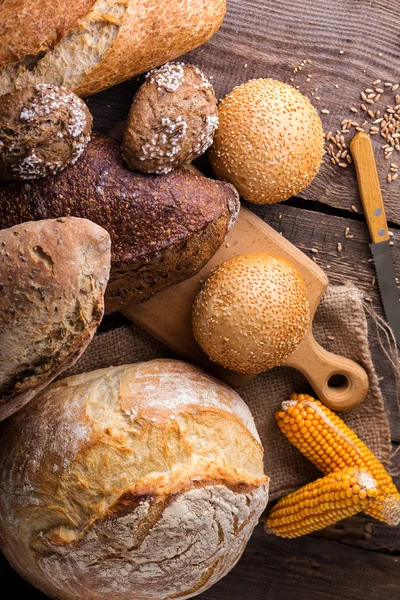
[94,503]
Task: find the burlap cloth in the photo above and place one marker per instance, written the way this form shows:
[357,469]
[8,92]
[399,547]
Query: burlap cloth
[340,325]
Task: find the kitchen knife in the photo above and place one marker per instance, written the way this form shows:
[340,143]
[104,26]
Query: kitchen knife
[371,198]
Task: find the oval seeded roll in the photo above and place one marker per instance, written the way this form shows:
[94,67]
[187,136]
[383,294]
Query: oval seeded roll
[269,142]
[172,120]
[251,312]
[53,275]
[43,129]
[140,482]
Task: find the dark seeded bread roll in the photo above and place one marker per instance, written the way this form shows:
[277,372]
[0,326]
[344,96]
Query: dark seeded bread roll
[163,228]
[42,129]
[172,120]
[53,275]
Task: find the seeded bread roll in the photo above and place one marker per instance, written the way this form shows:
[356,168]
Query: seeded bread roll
[90,45]
[269,142]
[163,228]
[172,121]
[251,312]
[140,482]
[53,276]
[42,130]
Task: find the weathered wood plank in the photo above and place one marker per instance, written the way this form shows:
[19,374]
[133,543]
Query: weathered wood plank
[310,230]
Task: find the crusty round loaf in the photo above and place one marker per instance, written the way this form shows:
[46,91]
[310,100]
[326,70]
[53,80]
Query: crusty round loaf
[53,275]
[251,312]
[269,142]
[42,130]
[140,482]
[172,120]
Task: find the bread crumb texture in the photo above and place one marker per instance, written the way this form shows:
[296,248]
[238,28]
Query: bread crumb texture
[138,482]
[42,130]
[251,313]
[172,121]
[269,143]
[67,62]
[53,276]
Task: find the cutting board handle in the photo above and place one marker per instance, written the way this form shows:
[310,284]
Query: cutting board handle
[319,366]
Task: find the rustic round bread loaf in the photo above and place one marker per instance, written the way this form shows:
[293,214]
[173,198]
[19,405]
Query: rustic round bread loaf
[53,276]
[172,120]
[140,482]
[251,312]
[42,130]
[269,142]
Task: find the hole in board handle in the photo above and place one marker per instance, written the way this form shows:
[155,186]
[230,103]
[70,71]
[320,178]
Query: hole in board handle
[338,382]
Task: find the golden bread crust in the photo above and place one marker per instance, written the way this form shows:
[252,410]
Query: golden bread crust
[53,276]
[28,27]
[155,464]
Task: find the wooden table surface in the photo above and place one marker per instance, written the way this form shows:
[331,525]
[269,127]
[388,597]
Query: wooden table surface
[350,43]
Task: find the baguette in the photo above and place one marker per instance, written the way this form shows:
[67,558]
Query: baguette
[88,45]
[163,228]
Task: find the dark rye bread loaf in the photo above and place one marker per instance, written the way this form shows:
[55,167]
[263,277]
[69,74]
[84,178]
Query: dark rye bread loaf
[163,228]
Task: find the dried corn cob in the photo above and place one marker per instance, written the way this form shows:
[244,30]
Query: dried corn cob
[321,503]
[327,442]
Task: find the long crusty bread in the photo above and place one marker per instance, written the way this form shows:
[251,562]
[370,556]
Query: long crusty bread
[89,45]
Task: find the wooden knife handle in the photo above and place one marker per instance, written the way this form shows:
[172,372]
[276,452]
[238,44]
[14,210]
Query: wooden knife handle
[319,366]
[368,183]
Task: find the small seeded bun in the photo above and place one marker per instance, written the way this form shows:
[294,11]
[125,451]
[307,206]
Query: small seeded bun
[172,120]
[42,130]
[251,313]
[269,143]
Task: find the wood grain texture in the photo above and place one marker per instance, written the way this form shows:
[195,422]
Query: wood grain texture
[369,188]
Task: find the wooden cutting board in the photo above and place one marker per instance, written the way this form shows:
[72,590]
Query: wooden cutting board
[167,317]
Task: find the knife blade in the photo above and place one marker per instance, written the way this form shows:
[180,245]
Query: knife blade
[386,278]
[374,210]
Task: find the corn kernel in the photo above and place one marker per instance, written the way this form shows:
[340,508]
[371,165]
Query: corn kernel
[325,511]
[331,446]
